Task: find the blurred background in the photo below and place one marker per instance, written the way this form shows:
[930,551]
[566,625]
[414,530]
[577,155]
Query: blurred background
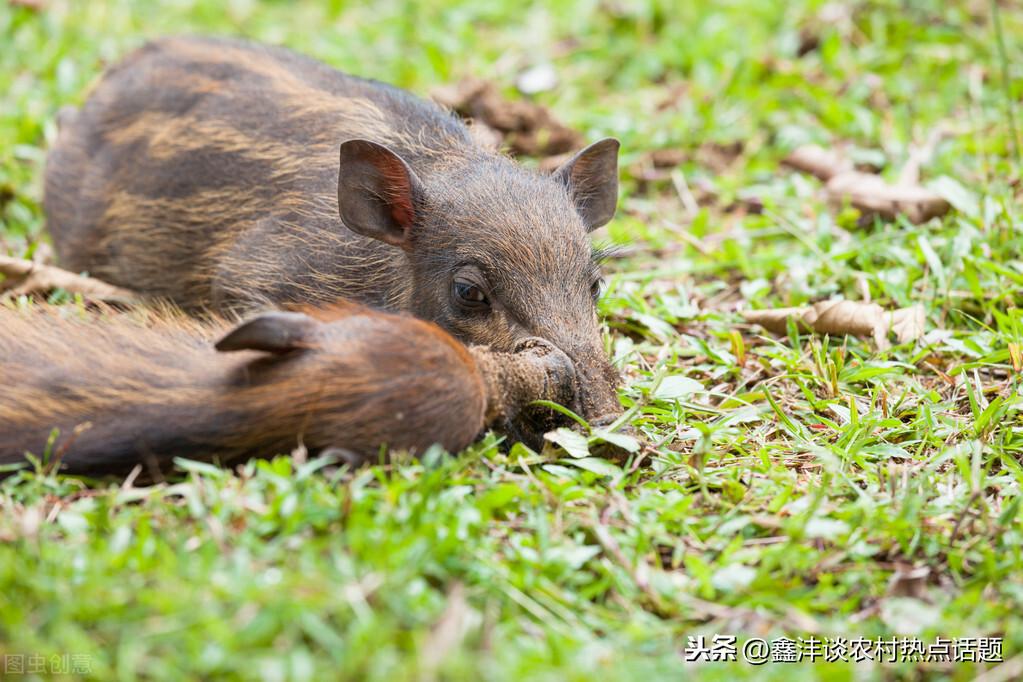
[792,483]
[727,87]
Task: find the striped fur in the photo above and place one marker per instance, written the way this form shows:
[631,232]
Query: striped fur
[206,172]
[122,392]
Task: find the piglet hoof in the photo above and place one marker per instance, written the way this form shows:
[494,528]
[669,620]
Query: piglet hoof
[558,370]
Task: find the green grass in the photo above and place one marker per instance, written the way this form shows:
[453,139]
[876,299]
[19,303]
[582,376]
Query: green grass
[779,491]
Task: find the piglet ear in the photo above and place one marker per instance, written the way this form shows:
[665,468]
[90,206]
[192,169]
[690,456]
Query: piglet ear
[377,192]
[273,332]
[591,177]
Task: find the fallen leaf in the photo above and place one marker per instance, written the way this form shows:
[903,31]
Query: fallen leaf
[845,317]
[822,163]
[870,193]
[667,158]
[527,128]
[908,323]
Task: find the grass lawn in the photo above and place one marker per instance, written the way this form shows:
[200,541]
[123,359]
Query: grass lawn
[787,486]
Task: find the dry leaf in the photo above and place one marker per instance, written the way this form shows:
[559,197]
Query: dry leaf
[29,277]
[822,163]
[872,195]
[526,127]
[845,317]
[868,192]
[908,323]
[666,158]
[776,319]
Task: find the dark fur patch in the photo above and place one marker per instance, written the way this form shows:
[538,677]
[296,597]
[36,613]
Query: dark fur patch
[206,172]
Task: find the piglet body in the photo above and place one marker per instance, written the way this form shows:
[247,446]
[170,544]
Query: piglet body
[122,393]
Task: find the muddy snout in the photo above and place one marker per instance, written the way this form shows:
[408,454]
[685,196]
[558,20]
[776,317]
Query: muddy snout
[596,387]
[556,375]
[535,370]
[582,380]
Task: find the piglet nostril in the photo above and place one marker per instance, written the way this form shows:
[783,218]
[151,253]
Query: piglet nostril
[536,344]
[560,380]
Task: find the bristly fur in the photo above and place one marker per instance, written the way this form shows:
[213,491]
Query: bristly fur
[206,171]
[602,253]
[125,390]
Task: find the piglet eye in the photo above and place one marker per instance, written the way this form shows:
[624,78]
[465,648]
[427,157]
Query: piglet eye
[597,288]
[469,294]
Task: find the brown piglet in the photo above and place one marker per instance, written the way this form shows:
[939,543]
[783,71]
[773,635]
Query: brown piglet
[121,393]
[225,176]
